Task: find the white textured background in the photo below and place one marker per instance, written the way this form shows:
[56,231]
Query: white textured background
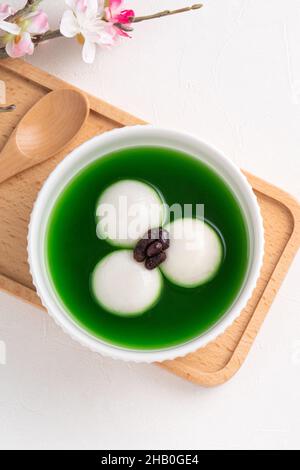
[230,73]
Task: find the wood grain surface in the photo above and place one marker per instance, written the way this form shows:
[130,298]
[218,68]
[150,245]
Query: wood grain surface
[222,358]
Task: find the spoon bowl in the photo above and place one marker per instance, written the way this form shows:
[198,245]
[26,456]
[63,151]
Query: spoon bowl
[48,127]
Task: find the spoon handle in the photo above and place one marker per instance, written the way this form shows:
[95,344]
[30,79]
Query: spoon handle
[12,160]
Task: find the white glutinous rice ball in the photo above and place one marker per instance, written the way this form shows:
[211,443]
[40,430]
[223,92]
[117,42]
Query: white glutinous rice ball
[124,287]
[195,253]
[126,210]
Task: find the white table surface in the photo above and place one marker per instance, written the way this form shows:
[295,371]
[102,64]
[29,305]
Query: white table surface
[229,73]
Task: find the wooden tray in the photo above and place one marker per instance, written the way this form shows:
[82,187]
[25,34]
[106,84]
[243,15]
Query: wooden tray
[221,359]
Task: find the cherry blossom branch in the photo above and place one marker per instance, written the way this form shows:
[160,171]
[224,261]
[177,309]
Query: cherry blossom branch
[161,14]
[138,19]
[7,109]
[3,54]
[31,5]
[47,36]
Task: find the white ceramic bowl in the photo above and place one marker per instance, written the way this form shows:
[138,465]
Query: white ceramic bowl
[91,151]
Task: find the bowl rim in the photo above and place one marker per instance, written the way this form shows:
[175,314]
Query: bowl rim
[61,176]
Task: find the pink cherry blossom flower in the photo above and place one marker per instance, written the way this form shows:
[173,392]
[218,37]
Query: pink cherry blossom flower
[6,26]
[116,16]
[84,20]
[19,43]
[36,22]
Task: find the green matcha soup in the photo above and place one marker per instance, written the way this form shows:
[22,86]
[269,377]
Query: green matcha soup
[73,249]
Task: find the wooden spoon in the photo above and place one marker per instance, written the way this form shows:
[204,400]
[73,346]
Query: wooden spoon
[44,131]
